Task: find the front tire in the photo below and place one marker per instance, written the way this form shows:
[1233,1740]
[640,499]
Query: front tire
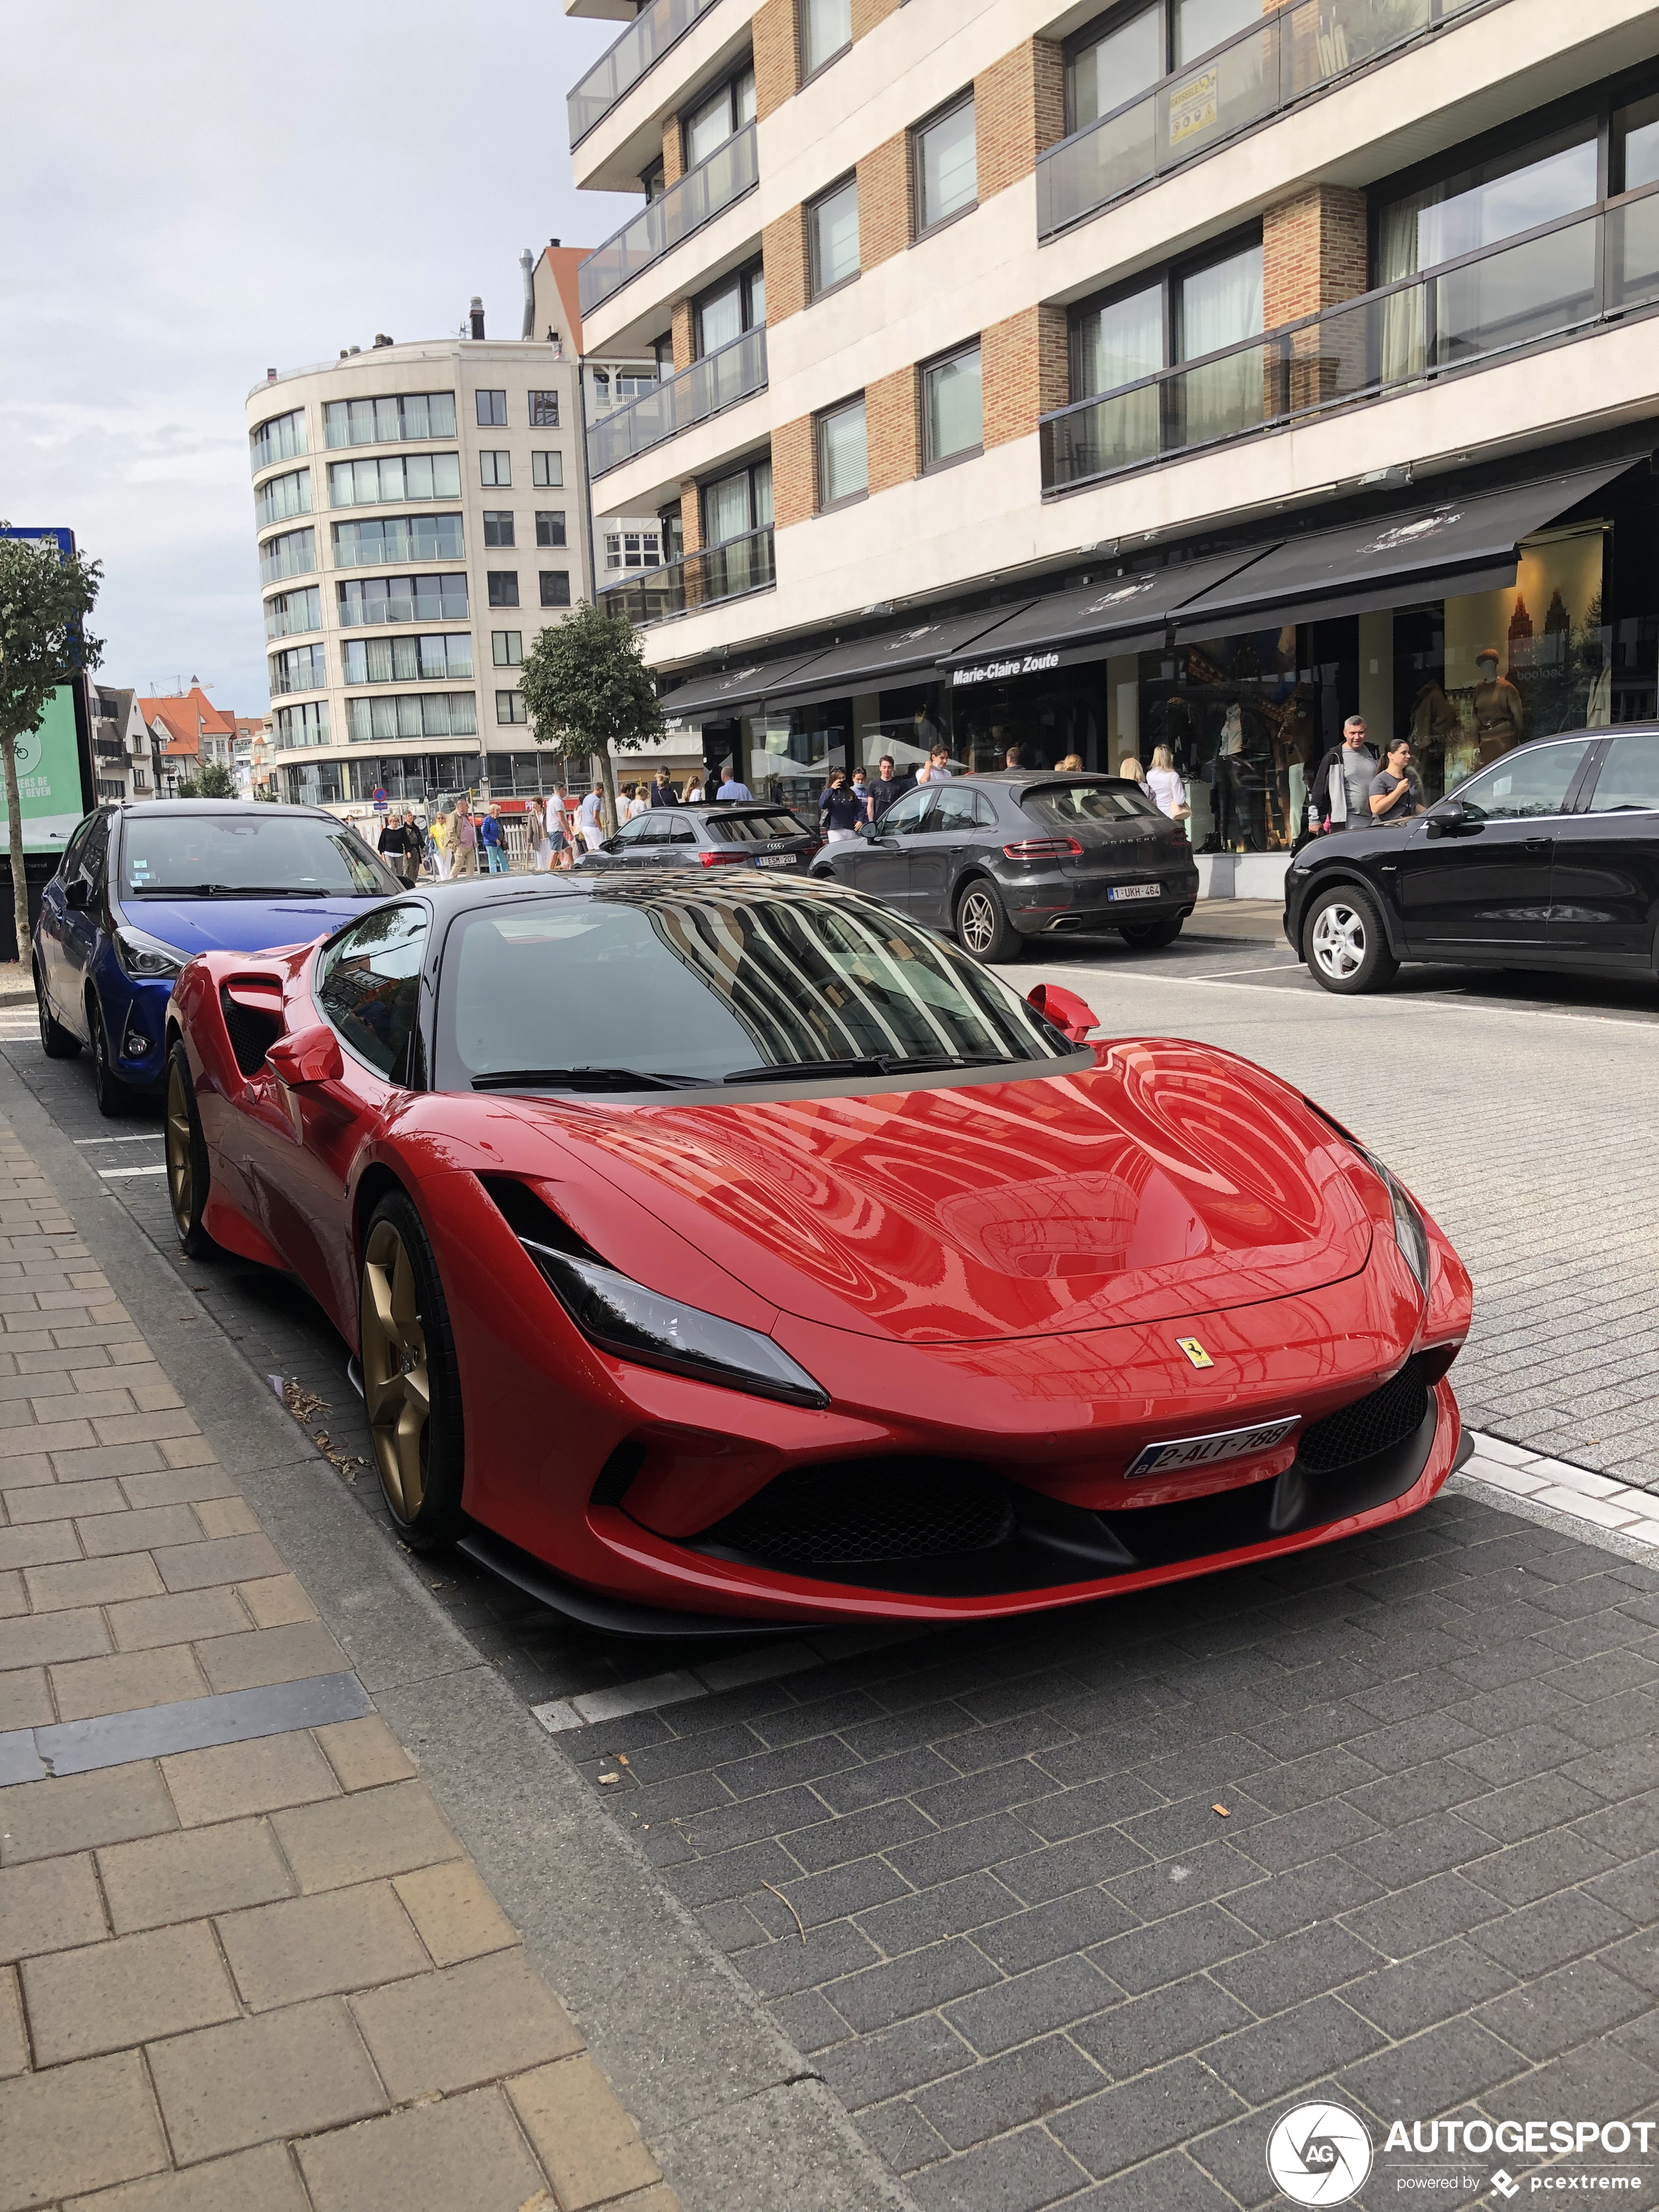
[112,1095]
[1146,935]
[188,1173]
[1346,946]
[983,930]
[56,1042]
[411,1381]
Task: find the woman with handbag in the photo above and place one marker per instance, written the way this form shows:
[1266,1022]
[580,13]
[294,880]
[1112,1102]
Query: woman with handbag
[1167,786]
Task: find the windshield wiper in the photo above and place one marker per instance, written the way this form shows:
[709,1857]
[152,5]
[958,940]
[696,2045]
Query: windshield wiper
[239,890]
[586,1078]
[872,1063]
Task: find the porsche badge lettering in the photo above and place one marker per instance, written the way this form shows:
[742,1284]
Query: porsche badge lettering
[1194,1351]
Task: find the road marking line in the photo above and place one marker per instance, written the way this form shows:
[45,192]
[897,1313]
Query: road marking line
[151,1137]
[116,1174]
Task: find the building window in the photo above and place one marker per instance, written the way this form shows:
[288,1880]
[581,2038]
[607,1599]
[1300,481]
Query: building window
[946,166]
[842,455]
[734,505]
[556,587]
[398,478]
[497,526]
[398,538]
[633,549]
[404,599]
[503,587]
[412,714]
[719,118]
[496,469]
[547,472]
[736,304]
[316,784]
[302,725]
[293,554]
[549,525]
[492,410]
[507,647]
[544,411]
[291,613]
[952,407]
[279,439]
[832,238]
[1466,208]
[429,659]
[389,421]
[301,668]
[826,30]
[509,707]
[278,497]
[1191,310]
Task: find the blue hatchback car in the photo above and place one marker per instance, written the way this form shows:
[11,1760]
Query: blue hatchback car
[143,887]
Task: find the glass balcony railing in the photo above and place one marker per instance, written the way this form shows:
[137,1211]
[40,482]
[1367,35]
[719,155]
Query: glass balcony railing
[640,48]
[293,554]
[719,572]
[731,171]
[719,380]
[1566,278]
[1297,51]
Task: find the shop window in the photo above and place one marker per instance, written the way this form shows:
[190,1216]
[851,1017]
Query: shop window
[832,238]
[946,167]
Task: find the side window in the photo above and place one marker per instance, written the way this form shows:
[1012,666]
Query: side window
[369,983]
[1523,784]
[961,810]
[632,833]
[1629,782]
[903,817]
[69,867]
[94,854]
[683,832]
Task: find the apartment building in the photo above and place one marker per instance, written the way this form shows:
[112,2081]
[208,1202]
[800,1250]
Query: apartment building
[1178,374]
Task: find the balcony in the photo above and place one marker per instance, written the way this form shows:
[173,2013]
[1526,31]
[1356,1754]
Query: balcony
[731,171]
[640,48]
[718,381]
[295,554]
[1299,51]
[1560,280]
[699,580]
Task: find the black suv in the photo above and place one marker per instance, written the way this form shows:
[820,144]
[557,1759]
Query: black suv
[1022,853]
[1546,858]
[752,834]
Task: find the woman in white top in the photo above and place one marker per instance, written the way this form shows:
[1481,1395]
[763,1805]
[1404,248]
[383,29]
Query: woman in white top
[1130,769]
[1167,786]
[541,850]
[637,802]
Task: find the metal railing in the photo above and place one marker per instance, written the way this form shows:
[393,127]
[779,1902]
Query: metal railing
[719,380]
[1299,50]
[700,580]
[731,170]
[620,68]
[1564,277]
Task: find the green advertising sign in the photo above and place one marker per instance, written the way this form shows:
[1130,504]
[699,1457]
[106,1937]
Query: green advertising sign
[48,779]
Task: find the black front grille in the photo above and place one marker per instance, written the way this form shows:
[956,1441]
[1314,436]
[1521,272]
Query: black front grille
[878,1509]
[1370,1424]
[252,1033]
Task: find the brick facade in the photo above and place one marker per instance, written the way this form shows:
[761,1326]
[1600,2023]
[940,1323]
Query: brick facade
[690,518]
[866,14]
[783,256]
[892,428]
[685,343]
[1024,363]
[884,201]
[673,159]
[1315,254]
[794,473]
[1019,108]
[776,55]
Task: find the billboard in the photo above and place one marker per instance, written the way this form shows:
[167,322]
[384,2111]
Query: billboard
[54,763]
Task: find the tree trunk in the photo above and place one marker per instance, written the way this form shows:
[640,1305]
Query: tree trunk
[608,771]
[20,887]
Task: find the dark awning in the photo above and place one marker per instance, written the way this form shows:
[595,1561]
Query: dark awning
[870,662]
[1122,613]
[1461,545]
[705,698]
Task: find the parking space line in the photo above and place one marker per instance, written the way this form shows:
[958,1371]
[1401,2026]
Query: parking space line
[118,1175]
[149,1137]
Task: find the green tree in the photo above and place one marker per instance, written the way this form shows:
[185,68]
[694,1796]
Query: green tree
[216,781]
[45,595]
[586,689]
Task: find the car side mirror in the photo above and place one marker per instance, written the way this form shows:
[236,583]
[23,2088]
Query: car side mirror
[78,895]
[1446,819]
[1072,1016]
[611,845]
[309,1056]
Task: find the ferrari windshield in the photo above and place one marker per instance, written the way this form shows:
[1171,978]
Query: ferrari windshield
[705,986]
[246,856]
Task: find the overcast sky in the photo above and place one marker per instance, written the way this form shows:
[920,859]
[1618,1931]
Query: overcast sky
[195,191]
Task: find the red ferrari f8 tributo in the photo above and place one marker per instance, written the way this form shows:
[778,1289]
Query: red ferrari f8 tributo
[739,1252]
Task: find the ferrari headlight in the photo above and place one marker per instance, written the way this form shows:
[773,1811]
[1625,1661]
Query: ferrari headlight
[142,956]
[624,1318]
[1410,1233]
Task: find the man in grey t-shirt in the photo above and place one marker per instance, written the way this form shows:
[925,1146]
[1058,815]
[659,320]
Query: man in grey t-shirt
[1339,795]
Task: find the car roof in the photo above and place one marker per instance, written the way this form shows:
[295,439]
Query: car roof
[263,808]
[458,897]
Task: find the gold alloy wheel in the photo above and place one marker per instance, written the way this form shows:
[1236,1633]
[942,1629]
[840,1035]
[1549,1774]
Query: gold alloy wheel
[396,1390]
[181,1168]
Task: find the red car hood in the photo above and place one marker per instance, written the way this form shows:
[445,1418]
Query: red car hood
[1172,1179]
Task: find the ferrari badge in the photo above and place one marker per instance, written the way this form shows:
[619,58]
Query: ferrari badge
[1194,1351]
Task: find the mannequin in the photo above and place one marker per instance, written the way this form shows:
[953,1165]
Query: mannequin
[1433,719]
[1500,717]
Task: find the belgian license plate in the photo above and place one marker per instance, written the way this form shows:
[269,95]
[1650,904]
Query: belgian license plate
[775,860]
[1135,891]
[1206,1451]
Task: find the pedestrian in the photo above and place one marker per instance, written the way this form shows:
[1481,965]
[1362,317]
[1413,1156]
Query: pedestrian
[887,787]
[730,788]
[662,792]
[560,831]
[638,804]
[590,820]
[1167,786]
[693,791]
[939,769]
[1131,770]
[1396,793]
[840,808]
[1340,797]
[861,792]
[1011,758]
[390,844]
[466,840]
[492,841]
[1071,765]
[541,850]
[439,836]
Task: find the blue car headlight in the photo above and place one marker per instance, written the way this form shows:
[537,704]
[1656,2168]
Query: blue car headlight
[145,958]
